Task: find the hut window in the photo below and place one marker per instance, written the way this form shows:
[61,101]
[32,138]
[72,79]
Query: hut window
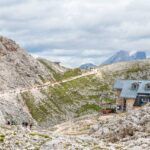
[147,87]
[135,86]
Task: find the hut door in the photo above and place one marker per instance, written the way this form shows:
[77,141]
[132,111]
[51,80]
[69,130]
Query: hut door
[124,104]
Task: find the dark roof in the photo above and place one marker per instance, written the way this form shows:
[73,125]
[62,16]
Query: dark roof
[126,87]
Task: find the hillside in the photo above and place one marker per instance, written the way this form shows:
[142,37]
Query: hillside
[83,95]
[47,93]
[19,71]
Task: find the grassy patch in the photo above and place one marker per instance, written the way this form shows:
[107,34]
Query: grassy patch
[38,112]
[94,97]
[2,137]
[109,100]
[87,107]
[39,134]
[71,73]
[134,69]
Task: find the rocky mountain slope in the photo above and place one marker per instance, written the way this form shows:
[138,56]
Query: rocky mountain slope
[129,131]
[19,70]
[122,56]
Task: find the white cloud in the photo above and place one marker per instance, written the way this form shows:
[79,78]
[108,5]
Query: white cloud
[77,31]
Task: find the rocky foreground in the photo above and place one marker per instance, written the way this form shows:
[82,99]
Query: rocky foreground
[92,132]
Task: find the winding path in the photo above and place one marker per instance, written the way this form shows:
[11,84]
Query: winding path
[20,90]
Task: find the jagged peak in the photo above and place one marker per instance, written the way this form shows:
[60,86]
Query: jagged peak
[8,44]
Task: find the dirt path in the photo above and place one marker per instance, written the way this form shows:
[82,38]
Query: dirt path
[20,90]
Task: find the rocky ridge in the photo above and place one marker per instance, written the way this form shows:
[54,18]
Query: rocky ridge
[19,69]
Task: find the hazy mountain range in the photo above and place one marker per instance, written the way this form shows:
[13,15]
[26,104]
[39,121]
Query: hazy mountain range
[125,56]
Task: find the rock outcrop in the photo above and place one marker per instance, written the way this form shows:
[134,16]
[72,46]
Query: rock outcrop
[19,69]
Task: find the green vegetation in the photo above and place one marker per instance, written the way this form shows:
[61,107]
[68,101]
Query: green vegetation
[87,107]
[2,137]
[61,76]
[77,96]
[134,69]
[17,142]
[94,97]
[109,100]
[39,134]
[71,73]
[38,112]
[65,97]
[104,87]
[88,82]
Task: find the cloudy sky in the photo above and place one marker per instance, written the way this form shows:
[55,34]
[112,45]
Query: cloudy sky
[77,31]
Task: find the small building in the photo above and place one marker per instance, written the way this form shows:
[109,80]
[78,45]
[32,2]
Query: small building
[57,63]
[131,94]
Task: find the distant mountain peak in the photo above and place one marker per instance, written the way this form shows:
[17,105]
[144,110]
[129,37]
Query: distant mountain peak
[123,55]
[87,66]
[139,55]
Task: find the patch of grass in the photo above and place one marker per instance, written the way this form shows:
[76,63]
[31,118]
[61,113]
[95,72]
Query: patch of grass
[107,99]
[87,107]
[60,92]
[39,134]
[71,73]
[134,69]
[2,137]
[94,97]
[38,112]
[17,142]
[104,87]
